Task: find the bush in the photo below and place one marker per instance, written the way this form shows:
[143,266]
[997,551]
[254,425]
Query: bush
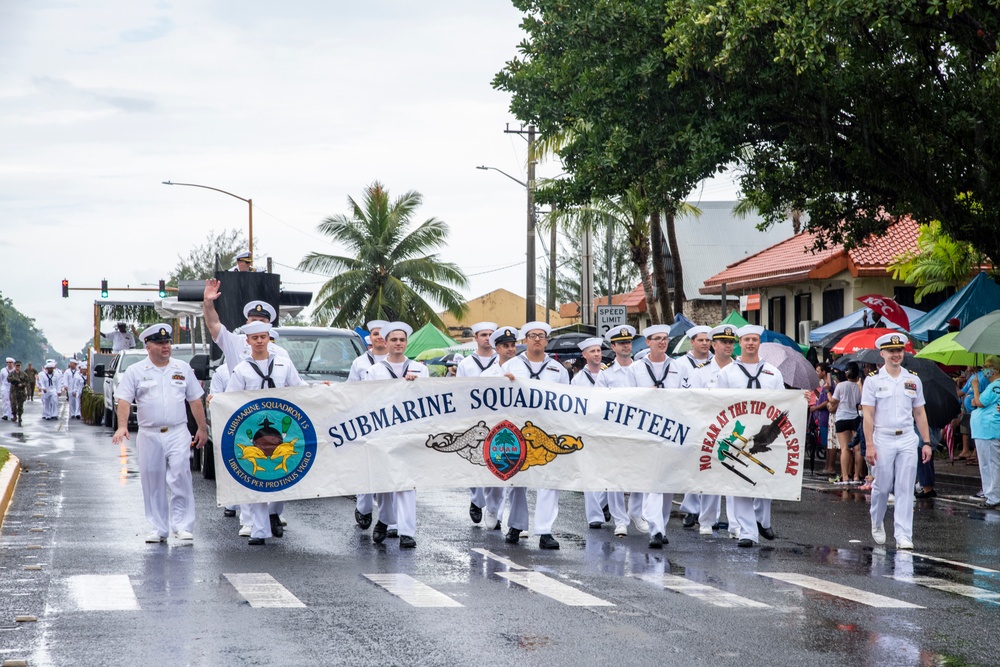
[91,407]
[4,455]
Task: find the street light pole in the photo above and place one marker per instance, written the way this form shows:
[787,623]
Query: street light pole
[249,203]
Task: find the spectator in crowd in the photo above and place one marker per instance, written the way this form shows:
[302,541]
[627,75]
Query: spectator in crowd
[968,452]
[845,401]
[985,428]
[820,413]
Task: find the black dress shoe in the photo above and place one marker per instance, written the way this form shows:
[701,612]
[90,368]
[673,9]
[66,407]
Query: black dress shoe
[498,526]
[256,541]
[276,529]
[745,543]
[720,525]
[392,532]
[513,536]
[548,542]
[596,524]
[229,513]
[766,533]
[690,520]
[407,542]
[475,513]
[930,493]
[378,532]
[363,520]
[607,513]
[656,541]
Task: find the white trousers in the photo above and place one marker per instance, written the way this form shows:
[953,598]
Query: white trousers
[895,471]
[748,512]
[50,404]
[164,465]
[986,470]
[260,517]
[366,503]
[546,510]
[711,510]
[656,510]
[405,507]
[74,405]
[518,501]
[489,498]
[5,398]
[593,505]
[691,503]
[989,450]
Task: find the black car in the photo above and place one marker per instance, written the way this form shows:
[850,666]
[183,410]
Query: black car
[566,346]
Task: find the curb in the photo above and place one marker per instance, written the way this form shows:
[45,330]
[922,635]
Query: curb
[8,480]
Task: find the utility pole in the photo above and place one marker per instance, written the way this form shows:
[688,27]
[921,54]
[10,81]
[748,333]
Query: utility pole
[587,279]
[610,259]
[530,313]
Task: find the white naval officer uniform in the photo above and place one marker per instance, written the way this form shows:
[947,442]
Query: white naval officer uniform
[163,443]
[366,501]
[546,500]
[613,377]
[49,385]
[749,511]
[896,443]
[121,340]
[73,380]
[679,377]
[489,498]
[398,507]
[244,378]
[655,506]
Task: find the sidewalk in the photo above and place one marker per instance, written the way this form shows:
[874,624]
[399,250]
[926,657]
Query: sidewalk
[8,480]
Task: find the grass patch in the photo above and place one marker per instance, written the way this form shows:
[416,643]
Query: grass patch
[4,455]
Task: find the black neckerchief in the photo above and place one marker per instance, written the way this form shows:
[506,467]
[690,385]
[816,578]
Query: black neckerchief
[532,375]
[753,381]
[694,362]
[482,368]
[406,367]
[266,381]
[371,358]
[649,369]
[589,376]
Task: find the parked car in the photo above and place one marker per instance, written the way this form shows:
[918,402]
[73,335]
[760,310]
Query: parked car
[566,346]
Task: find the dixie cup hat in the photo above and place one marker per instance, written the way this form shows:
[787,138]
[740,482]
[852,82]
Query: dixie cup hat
[256,327]
[589,342]
[483,326]
[396,326]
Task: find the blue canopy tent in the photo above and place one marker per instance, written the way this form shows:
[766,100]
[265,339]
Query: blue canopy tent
[680,326]
[980,296]
[857,319]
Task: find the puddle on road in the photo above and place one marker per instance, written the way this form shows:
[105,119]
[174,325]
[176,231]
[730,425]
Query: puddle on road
[528,642]
[20,437]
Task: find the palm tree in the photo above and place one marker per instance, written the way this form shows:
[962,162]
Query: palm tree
[938,263]
[391,273]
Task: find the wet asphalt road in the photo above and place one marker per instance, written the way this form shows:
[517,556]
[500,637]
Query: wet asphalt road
[72,541]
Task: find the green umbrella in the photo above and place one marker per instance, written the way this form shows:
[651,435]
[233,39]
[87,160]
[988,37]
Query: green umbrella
[946,351]
[981,335]
[432,353]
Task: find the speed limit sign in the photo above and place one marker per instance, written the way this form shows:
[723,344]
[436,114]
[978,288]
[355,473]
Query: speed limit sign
[609,317]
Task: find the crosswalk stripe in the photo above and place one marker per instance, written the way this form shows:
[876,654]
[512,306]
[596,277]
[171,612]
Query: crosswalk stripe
[703,592]
[950,587]
[498,558]
[262,590]
[976,568]
[839,590]
[558,591]
[411,591]
[102,592]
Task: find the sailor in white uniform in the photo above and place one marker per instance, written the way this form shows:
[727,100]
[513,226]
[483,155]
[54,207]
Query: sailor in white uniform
[475,365]
[893,401]
[365,504]
[681,369]
[72,381]
[5,408]
[753,515]
[535,364]
[594,502]
[48,382]
[121,338]
[618,374]
[160,386]
[652,371]
[234,345]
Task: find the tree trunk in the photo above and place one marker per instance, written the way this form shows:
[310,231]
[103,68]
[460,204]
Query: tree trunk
[678,269]
[660,269]
[638,242]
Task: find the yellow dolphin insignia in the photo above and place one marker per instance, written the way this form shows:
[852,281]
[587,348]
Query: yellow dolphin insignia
[284,451]
[251,453]
[543,448]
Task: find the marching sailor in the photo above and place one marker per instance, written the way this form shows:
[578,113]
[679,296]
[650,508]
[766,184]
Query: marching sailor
[72,381]
[698,356]
[5,408]
[595,503]
[365,503]
[48,383]
[753,515]
[399,507]
[893,400]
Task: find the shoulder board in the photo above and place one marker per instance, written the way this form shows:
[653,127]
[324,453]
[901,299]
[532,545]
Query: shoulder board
[912,372]
[873,373]
[604,367]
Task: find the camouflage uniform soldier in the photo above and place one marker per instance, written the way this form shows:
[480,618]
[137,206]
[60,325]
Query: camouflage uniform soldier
[32,374]
[19,384]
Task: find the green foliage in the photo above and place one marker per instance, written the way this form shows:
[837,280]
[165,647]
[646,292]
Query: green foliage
[23,341]
[91,407]
[391,273]
[938,262]
[625,274]
[128,312]
[200,262]
[4,455]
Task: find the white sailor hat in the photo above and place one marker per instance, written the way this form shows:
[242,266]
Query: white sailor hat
[589,342]
[273,333]
[504,335]
[72,360]
[656,329]
[377,324]
[259,309]
[83,365]
[246,256]
[700,329]
[50,363]
[532,326]
[483,326]
[619,334]
[368,340]
[724,332]
[255,327]
[156,333]
[396,326]
[750,330]
[10,360]
[891,341]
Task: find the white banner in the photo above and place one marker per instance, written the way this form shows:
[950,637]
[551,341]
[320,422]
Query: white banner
[365,437]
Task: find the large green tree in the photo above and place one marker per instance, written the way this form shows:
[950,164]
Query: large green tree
[393,269]
[854,111]
[200,261]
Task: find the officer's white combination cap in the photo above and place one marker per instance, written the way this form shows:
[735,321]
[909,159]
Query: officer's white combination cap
[723,332]
[396,326]
[655,329]
[589,342]
[377,324]
[256,327]
[259,309]
[535,326]
[245,256]
[504,335]
[156,333]
[750,330]
[483,326]
[620,333]
[700,329]
[891,341]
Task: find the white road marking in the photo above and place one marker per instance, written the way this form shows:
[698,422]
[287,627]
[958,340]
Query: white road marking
[703,592]
[262,590]
[977,568]
[102,592]
[413,592]
[498,558]
[950,587]
[558,591]
[846,592]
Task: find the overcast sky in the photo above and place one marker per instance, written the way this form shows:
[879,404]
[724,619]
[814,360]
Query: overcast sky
[297,105]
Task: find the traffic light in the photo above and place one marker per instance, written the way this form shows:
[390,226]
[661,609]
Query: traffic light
[163,289]
[65,286]
[104,289]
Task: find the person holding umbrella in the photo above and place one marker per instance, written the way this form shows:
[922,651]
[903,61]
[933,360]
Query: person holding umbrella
[893,400]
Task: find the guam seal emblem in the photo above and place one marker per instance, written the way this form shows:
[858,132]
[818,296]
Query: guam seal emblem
[504,450]
[268,445]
